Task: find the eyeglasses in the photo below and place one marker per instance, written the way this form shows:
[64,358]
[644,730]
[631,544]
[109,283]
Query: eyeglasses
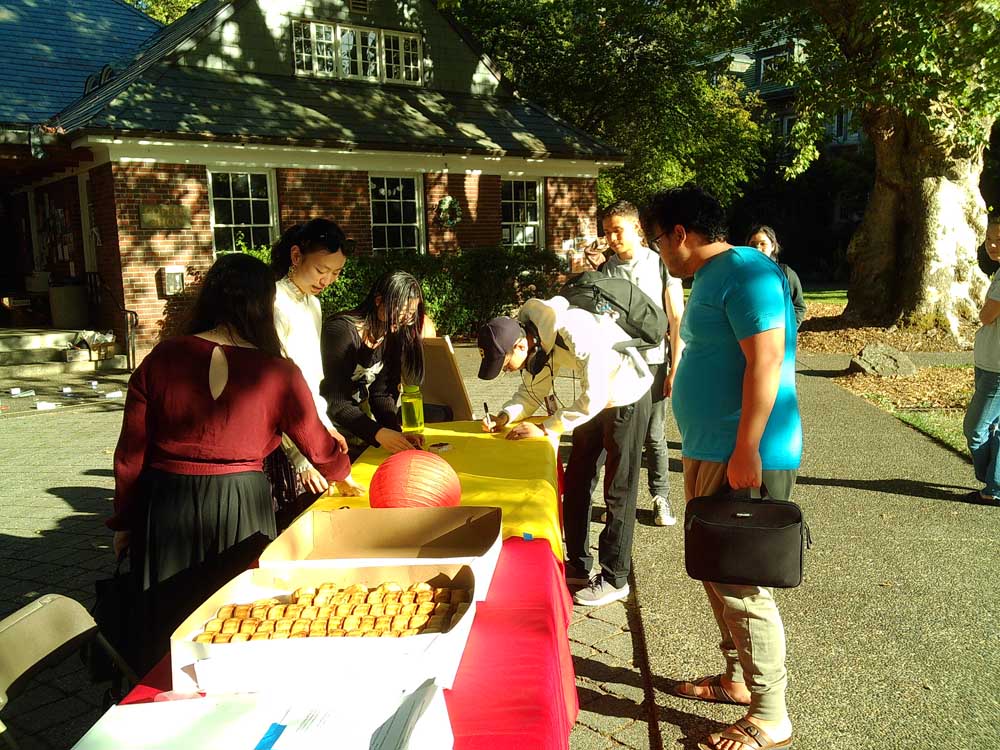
[657,237]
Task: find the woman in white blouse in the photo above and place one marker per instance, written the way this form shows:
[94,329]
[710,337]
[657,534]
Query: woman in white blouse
[308,258]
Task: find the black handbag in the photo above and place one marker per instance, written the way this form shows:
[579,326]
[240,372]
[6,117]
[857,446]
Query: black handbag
[734,538]
[116,612]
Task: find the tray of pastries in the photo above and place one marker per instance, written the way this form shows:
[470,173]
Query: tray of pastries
[389,610]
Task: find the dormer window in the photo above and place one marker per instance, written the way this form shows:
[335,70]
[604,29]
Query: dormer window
[356,52]
[359,6]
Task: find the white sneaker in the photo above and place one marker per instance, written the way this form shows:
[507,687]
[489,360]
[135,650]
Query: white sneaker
[598,592]
[662,515]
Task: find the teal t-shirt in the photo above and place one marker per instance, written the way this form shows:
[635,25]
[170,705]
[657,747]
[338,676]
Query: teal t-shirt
[738,293]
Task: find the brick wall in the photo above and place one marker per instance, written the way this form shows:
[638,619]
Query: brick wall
[341,196]
[109,262]
[570,209]
[479,197]
[144,251]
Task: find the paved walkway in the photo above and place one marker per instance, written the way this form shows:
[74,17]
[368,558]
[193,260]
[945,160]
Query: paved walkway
[892,637]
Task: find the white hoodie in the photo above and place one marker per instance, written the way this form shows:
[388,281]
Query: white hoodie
[607,378]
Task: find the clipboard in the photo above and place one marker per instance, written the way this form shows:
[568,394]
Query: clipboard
[443,383]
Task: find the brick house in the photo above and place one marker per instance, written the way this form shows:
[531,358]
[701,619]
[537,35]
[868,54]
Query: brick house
[246,116]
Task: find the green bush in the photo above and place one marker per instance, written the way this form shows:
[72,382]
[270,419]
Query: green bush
[462,290]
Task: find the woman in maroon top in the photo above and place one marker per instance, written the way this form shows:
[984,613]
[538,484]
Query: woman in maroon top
[192,504]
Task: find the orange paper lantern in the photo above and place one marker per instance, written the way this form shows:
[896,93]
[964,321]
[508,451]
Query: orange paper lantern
[414,479]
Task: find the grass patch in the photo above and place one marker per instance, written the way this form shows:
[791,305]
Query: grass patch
[944,425]
[827,296]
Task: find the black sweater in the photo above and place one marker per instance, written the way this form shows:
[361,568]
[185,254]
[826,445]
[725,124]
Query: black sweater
[354,373]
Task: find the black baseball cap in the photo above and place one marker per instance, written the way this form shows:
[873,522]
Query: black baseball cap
[496,341]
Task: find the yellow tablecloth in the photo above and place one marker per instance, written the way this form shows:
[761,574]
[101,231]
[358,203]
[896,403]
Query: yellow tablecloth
[518,476]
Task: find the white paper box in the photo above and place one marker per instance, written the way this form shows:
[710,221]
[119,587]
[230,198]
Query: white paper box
[365,537]
[254,666]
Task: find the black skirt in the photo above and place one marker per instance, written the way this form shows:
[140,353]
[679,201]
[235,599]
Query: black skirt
[199,533]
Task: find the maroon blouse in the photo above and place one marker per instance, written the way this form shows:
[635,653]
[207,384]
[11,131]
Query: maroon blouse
[172,423]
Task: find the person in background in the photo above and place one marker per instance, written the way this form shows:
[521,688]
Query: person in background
[763,238]
[192,504]
[633,261]
[737,410]
[609,417]
[367,353]
[306,260]
[982,418]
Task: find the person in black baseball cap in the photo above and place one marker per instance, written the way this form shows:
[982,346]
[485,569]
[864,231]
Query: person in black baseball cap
[498,346]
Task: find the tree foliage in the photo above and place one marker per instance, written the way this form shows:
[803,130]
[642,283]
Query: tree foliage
[934,60]
[633,73]
[165,11]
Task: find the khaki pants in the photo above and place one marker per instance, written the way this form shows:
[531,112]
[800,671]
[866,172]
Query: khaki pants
[753,636]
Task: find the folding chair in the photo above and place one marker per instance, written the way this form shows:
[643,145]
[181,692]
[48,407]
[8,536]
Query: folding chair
[42,634]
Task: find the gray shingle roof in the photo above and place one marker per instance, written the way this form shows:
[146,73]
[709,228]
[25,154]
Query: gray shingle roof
[48,48]
[192,102]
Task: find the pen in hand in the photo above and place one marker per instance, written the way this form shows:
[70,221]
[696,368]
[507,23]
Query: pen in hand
[487,418]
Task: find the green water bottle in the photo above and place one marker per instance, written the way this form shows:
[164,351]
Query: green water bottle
[412,404]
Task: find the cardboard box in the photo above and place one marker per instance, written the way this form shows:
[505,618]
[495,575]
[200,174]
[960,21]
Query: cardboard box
[102,351]
[77,355]
[365,537]
[316,663]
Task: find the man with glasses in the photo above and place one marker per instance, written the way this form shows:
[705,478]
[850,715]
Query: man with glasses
[735,404]
[609,415]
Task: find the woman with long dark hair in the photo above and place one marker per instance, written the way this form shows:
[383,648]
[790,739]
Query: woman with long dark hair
[191,502]
[306,260]
[368,352]
[764,239]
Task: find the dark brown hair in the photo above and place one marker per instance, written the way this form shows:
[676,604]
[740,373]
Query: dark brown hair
[316,235]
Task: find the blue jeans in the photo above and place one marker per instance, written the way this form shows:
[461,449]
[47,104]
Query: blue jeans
[657,463]
[981,423]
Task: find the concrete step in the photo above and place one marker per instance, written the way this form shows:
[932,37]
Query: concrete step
[36,338]
[9,374]
[31,356]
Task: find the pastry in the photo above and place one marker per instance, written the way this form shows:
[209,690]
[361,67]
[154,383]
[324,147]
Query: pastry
[259,612]
[371,634]
[204,637]
[442,595]
[408,609]
[336,623]
[389,634]
[357,588]
[241,611]
[421,586]
[358,598]
[400,622]
[249,625]
[321,599]
[260,637]
[279,636]
[338,633]
[353,622]
[367,622]
[424,596]
[362,610]
[266,626]
[392,608]
[409,631]
[284,625]
[300,626]
[236,637]
[309,613]
[355,633]
[305,601]
[325,612]
[318,627]
[225,612]
[343,610]
[230,626]
[298,635]
[425,608]
[437,621]
[375,597]
[383,623]
[270,601]
[221,638]
[304,591]
[377,610]
[214,626]
[390,586]
[407,597]
[418,621]
[294,611]
[275,611]
[390,596]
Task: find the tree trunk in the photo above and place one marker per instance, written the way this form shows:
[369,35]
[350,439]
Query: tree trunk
[914,258]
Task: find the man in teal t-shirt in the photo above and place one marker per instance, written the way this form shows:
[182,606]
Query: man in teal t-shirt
[735,404]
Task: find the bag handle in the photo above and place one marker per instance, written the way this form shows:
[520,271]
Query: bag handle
[747,493]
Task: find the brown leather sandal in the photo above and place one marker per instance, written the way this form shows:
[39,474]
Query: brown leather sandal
[747,734]
[718,693]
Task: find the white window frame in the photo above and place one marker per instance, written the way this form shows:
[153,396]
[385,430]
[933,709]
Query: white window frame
[763,65]
[539,224]
[314,69]
[418,180]
[272,200]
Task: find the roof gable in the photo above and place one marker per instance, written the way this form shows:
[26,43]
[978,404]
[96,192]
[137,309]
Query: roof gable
[48,49]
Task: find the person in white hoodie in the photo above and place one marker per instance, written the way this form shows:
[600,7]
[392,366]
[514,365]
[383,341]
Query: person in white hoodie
[610,414]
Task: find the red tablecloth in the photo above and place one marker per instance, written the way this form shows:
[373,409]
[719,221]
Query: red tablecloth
[515,689]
